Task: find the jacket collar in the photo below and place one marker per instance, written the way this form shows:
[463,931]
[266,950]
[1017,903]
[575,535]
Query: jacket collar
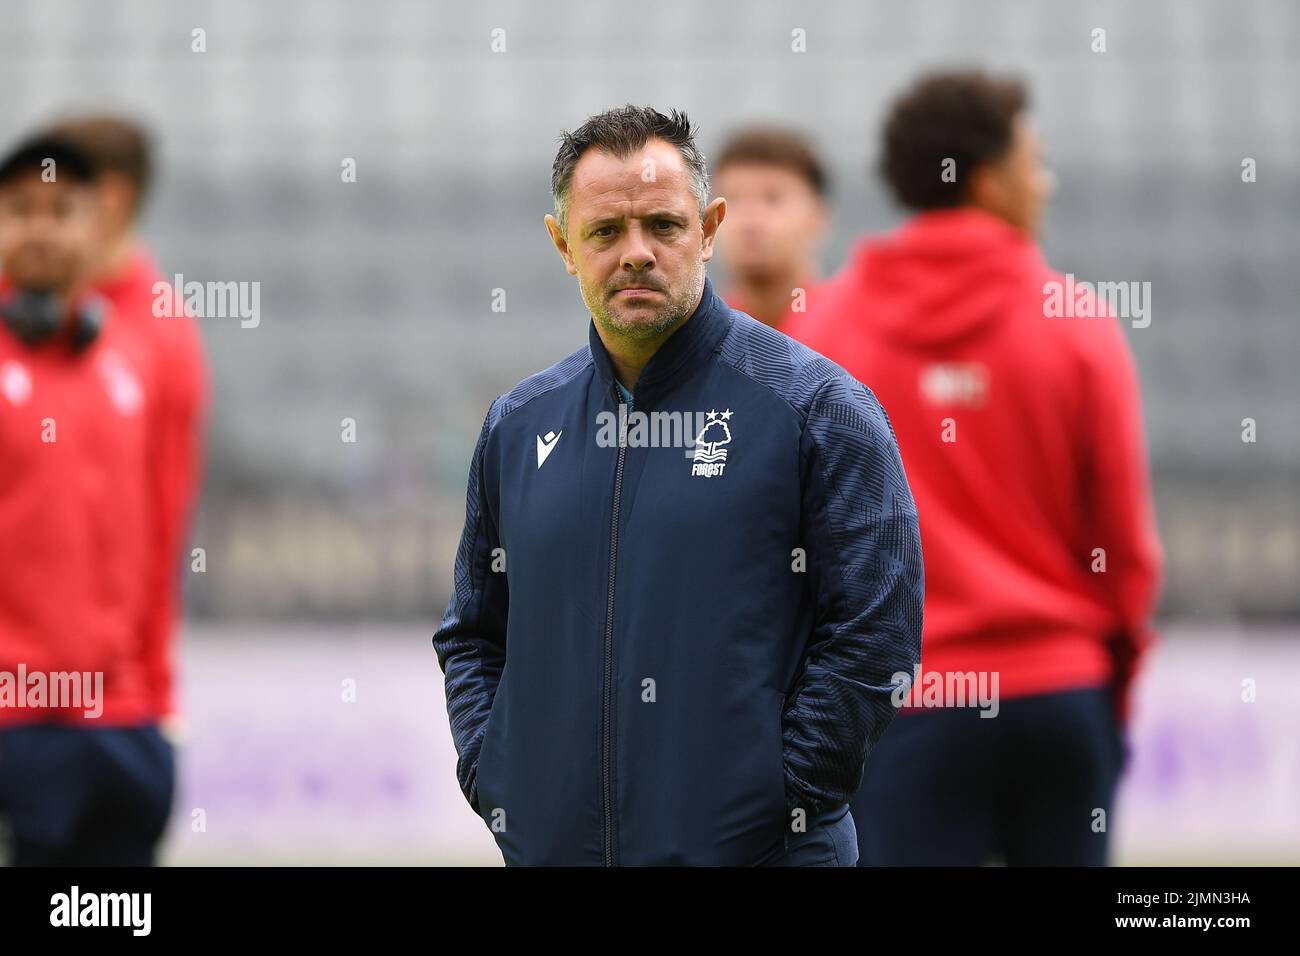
[686,350]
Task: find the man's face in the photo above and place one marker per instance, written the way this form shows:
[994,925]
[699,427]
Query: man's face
[777,220]
[636,240]
[1017,186]
[47,232]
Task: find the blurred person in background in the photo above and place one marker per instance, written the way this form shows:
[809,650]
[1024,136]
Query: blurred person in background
[127,275]
[1023,440]
[86,776]
[777,220]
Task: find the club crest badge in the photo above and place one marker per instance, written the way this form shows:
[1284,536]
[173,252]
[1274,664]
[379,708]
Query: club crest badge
[710,458]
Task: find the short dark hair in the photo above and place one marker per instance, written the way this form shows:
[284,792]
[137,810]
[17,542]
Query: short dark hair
[775,146]
[71,162]
[119,145]
[621,132]
[963,115]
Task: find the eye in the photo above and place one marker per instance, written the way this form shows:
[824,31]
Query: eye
[663,225]
[604,232]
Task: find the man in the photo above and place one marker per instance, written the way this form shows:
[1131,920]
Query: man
[125,273]
[674,655]
[85,775]
[1022,436]
[775,187]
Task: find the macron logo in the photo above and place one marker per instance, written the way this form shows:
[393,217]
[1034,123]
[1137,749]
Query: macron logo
[546,445]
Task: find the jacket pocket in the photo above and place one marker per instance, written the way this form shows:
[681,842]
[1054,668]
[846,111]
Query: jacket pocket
[484,780]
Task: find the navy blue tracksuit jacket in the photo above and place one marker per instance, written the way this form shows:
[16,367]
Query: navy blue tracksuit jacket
[659,655]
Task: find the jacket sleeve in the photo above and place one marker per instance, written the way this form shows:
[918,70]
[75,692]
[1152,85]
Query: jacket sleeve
[176,460]
[864,560]
[1118,503]
[471,641]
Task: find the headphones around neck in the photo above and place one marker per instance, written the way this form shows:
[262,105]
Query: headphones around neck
[34,317]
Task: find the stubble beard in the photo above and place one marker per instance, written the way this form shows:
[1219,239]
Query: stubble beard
[643,327]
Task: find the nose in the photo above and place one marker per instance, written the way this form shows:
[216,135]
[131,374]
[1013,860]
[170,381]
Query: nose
[636,253]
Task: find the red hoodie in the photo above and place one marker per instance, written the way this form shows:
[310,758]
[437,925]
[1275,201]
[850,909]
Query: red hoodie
[1023,443]
[75,519]
[92,525]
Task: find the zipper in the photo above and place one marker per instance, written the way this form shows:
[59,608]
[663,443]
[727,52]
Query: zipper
[607,743]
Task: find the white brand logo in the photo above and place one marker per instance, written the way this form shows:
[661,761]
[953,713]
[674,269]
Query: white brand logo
[124,389]
[546,445]
[15,382]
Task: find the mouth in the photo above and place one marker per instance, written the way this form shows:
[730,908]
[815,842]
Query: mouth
[636,291]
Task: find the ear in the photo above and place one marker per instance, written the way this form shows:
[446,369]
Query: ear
[984,187]
[119,199]
[561,243]
[714,213]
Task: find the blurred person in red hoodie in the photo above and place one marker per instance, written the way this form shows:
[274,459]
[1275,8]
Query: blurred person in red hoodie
[126,274]
[86,776]
[777,220]
[1023,441]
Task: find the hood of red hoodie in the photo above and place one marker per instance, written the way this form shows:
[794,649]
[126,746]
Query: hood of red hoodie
[944,276]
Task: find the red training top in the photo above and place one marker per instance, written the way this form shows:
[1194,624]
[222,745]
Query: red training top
[100,462]
[1022,439]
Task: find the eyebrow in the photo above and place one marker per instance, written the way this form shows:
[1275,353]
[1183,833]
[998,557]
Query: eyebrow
[657,214]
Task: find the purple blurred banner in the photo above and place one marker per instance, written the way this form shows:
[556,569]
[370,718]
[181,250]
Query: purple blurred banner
[1215,776]
[319,745]
[323,745]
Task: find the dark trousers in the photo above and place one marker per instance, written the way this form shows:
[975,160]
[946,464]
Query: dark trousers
[946,787]
[84,796]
